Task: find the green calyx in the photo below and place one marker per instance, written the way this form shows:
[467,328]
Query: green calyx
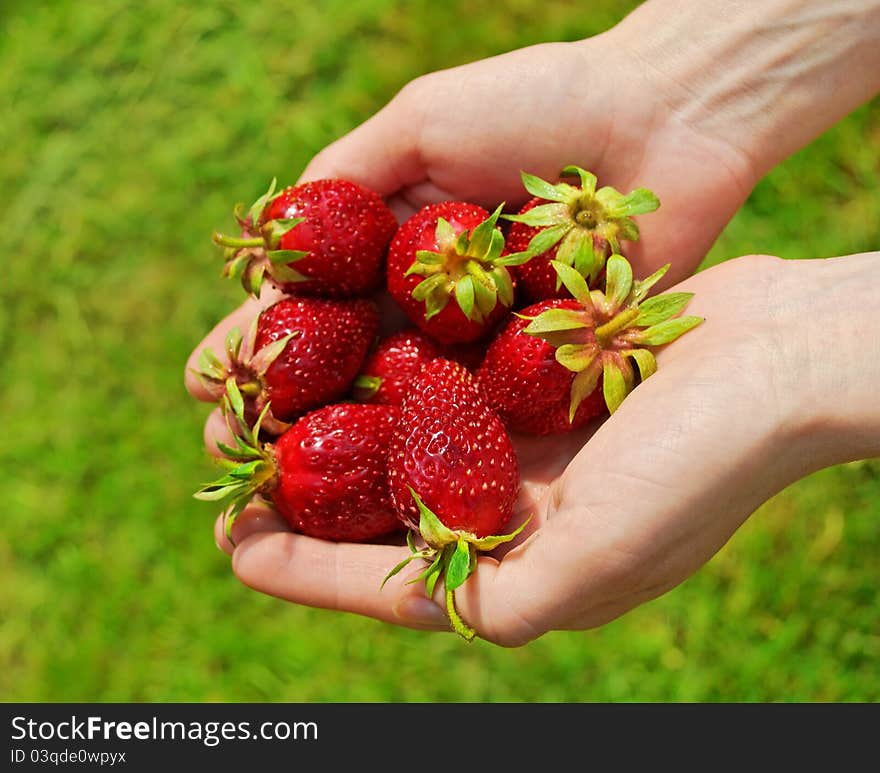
[247,368]
[587,224]
[366,387]
[612,330]
[469,267]
[249,464]
[255,254]
[450,555]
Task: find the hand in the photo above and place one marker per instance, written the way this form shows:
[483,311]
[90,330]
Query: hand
[467,132]
[748,402]
[670,101]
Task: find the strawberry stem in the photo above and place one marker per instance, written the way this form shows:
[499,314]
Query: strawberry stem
[232,241]
[250,388]
[460,626]
[616,324]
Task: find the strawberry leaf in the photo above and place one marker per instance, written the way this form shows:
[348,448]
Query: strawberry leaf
[618,281]
[259,205]
[493,541]
[458,565]
[284,272]
[397,569]
[464,295]
[514,259]
[664,332]
[427,286]
[210,365]
[661,307]
[645,361]
[262,359]
[432,574]
[613,385]
[444,233]
[252,278]
[542,216]
[235,398]
[554,320]
[637,202]
[588,179]
[574,282]
[485,295]
[577,250]
[642,287]
[275,229]
[576,357]
[284,257]
[544,190]
[547,239]
[433,531]
[503,285]
[481,237]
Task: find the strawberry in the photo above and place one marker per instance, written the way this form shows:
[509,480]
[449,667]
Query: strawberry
[525,384]
[299,354]
[577,226]
[326,475]
[448,272]
[388,371]
[453,476]
[326,238]
[559,363]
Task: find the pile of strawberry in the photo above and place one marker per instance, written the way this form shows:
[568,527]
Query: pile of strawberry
[355,435]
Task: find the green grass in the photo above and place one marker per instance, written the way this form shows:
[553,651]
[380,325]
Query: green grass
[127,131]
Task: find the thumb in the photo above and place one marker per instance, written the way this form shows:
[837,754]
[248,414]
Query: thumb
[382,153]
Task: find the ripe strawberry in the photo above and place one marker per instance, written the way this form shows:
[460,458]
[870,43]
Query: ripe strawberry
[561,362]
[525,384]
[447,271]
[389,370]
[326,237]
[453,475]
[326,475]
[577,226]
[299,354]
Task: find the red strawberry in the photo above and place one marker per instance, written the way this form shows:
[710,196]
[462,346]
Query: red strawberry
[326,237]
[453,475]
[577,226]
[389,370]
[525,384]
[447,271]
[300,353]
[326,475]
[562,362]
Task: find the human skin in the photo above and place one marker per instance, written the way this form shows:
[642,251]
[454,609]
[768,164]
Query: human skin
[740,407]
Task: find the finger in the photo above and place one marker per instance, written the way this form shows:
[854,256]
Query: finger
[241,318]
[256,518]
[336,575]
[382,153]
[217,431]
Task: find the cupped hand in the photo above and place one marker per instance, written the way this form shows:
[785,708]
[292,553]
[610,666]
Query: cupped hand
[621,513]
[466,133]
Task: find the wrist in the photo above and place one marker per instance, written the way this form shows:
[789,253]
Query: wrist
[764,79]
[829,358]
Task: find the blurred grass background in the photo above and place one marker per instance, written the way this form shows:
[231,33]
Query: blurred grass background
[128,129]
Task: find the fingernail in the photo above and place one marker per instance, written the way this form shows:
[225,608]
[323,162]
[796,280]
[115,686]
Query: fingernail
[418,610]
